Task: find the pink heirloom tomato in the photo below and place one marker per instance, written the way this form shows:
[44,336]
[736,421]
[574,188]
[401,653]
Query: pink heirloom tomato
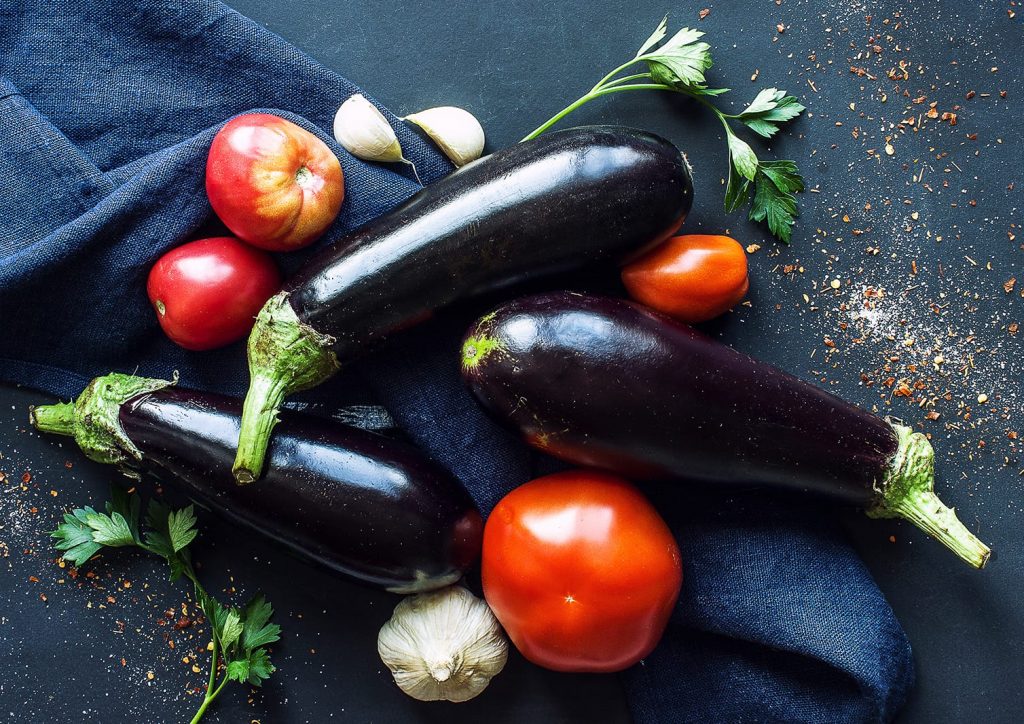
[274,184]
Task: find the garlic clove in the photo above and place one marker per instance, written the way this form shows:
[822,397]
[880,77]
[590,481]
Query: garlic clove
[456,131]
[365,132]
[443,645]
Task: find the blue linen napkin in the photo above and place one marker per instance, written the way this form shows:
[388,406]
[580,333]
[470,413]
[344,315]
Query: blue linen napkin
[107,110]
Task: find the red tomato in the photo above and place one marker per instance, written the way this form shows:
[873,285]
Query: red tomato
[581,571]
[693,278]
[274,184]
[207,293]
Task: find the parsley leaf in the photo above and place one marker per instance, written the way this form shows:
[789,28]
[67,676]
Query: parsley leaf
[770,108]
[681,61]
[774,186]
[74,537]
[656,37]
[181,528]
[258,632]
[110,530]
[240,635]
[231,629]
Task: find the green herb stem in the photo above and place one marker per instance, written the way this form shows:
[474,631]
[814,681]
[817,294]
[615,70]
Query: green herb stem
[626,79]
[601,83]
[209,698]
[605,91]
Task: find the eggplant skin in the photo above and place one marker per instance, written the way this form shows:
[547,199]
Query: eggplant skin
[548,205]
[352,501]
[608,383]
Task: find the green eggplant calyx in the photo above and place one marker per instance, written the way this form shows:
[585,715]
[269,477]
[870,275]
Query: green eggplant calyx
[93,419]
[480,345]
[908,492]
[285,356]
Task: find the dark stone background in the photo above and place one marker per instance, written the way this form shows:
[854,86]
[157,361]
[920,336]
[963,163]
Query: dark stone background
[930,227]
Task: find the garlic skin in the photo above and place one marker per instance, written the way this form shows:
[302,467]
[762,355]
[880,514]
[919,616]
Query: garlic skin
[457,132]
[443,645]
[365,132]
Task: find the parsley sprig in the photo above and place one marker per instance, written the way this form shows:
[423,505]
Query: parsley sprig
[240,635]
[678,65]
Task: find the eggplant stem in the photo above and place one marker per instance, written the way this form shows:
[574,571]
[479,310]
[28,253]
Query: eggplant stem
[58,419]
[285,356]
[259,417]
[93,419]
[908,492]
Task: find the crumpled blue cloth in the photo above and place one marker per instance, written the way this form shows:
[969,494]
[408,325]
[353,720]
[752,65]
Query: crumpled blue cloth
[107,110]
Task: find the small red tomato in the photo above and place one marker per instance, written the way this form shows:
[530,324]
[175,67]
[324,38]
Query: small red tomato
[693,278]
[207,293]
[581,571]
[274,184]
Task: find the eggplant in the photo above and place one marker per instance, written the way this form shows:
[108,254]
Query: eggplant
[608,383]
[354,502]
[543,206]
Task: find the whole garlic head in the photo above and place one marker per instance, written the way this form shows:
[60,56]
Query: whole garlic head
[456,131]
[443,644]
[365,132]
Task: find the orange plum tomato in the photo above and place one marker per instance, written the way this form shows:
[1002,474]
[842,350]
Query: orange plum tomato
[693,278]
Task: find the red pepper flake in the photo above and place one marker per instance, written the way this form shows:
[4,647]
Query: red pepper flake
[1012,434]
[1008,284]
[183,622]
[704,13]
[932,415]
[43,598]
[781,28]
[903,390]
[26,477]
[1012,329]
[829,343]
[970,94]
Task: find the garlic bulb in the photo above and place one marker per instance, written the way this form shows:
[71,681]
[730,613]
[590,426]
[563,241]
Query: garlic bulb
[457,132]
[365,132]
[443,644]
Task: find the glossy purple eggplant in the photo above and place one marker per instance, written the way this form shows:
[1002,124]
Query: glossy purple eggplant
[608,383]
[355,502]
[557,202]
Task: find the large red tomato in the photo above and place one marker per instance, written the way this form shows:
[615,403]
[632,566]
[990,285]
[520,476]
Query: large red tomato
[693,278]
[274,184]
[581,571]
[207,293]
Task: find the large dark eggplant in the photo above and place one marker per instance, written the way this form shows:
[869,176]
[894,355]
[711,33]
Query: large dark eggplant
[608,383]
[547,205]
[355,502]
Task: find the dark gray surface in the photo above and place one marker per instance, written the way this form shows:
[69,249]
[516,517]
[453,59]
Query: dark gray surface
[514,64]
